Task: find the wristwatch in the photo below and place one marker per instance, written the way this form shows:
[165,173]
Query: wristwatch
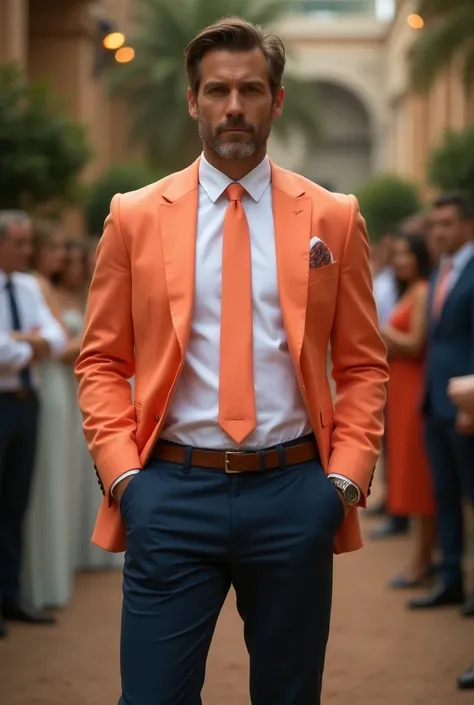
[349,490]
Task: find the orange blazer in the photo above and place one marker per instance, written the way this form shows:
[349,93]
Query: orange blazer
[139,314]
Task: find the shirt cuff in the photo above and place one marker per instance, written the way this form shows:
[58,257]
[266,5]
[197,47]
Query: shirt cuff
[121,477]
[24,355]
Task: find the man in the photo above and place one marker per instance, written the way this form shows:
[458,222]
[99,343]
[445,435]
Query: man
[385,284]
[28,332]
[450,354]
[461,393]
[219,289]
[385,295]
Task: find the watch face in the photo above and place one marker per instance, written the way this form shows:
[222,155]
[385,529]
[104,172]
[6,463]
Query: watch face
[351,494]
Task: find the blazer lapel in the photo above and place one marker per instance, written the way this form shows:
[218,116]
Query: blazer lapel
[178,222]
[292,214]
[466,275]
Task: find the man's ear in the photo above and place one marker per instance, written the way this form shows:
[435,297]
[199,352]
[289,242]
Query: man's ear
[192,104]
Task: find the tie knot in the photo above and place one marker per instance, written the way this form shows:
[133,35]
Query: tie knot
[235,192]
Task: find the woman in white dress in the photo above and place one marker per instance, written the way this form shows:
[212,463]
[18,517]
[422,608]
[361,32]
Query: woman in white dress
[48,576]
[72,289]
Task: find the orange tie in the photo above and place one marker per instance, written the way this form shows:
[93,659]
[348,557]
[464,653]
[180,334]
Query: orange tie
[237,415]
[441,289]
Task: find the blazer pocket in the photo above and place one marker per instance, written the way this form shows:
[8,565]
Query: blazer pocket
[326,414]
[320,274]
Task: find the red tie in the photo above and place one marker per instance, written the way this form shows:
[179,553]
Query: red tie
[441,289]
[237,416]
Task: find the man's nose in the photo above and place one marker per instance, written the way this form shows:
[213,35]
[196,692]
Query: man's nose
[234,104]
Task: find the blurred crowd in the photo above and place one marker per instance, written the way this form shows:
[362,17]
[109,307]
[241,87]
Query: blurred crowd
[423,271]
[48,491]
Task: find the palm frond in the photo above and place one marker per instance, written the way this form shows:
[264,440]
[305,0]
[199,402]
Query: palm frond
[438,44]
[301,110]
[434,9]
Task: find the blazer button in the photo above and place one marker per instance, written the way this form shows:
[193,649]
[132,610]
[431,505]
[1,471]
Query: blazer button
[156,417]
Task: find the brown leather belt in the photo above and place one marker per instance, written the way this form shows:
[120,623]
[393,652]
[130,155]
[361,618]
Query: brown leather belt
[234,462]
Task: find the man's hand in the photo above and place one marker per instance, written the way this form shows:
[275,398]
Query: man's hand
[121,487]
[344,503]
[465,424]
[40,345]
[461,393]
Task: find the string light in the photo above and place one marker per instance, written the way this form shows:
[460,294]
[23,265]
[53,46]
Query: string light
[114,40]
[124,55]
[416,21]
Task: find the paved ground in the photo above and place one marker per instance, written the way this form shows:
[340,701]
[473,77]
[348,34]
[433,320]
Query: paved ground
[379,652]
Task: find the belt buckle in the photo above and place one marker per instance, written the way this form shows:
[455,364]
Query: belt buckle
[227,468]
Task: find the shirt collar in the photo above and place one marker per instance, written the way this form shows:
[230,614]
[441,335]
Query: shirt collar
[214,182]
[462,256]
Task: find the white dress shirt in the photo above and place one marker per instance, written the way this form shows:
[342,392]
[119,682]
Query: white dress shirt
[385,294]
[34,316]
[193,414]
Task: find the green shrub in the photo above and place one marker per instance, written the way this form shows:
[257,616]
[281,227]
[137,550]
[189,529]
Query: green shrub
[451,165]
[119,178]
[42,150]
[385,200]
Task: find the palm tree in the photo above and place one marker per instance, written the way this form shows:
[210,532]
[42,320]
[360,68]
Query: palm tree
[154,84]
[448,32]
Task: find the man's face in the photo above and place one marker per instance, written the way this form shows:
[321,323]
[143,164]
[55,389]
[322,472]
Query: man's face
[385,250]
[449,231]
[16,248]
[234,105]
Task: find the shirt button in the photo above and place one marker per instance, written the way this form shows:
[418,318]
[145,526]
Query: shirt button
[156,417]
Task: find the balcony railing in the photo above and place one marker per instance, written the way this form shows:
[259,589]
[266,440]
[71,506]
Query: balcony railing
[334,7]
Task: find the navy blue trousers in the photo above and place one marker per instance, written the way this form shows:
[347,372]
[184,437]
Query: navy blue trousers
[18,431]
[191,534]
[451,457]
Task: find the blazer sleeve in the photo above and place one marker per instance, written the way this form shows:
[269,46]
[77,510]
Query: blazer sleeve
[359,359]
[106,360]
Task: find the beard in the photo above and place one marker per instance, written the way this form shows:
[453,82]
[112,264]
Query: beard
[237,146]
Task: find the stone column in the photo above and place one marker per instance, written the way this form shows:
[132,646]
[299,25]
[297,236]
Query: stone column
[62,46]
[14,31]
[419,118]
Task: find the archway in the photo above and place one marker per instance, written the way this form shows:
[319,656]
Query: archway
[342,159]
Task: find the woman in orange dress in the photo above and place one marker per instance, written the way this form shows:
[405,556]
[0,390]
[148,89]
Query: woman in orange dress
[409,478]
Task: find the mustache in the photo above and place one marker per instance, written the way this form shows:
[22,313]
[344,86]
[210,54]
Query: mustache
[236,123]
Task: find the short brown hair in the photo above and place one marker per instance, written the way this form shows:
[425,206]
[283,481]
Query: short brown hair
[235,34]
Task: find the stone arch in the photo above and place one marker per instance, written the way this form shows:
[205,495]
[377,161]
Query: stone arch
[342,158]
[363,87]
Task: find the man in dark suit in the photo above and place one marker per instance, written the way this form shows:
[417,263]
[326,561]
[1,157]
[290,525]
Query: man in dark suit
[450,442]
[28,333]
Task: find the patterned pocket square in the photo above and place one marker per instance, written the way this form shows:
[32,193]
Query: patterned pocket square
[319,254]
